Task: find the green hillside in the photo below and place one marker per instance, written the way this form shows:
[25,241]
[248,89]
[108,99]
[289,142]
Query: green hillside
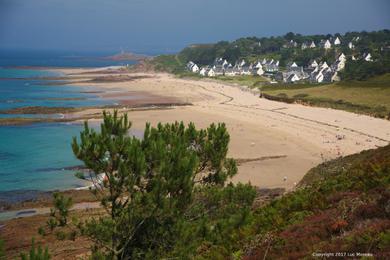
[341,206]
[370,97]
[255,48]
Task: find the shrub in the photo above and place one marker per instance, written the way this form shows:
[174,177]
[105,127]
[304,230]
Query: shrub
[300,96]
[36,253]
[2,250]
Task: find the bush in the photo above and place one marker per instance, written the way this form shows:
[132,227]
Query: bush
[2,250]
[300,96]
[36,253]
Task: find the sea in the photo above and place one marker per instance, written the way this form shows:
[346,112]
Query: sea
[38,157]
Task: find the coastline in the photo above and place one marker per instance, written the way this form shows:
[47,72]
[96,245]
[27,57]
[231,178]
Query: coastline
[275,143]
[304,136]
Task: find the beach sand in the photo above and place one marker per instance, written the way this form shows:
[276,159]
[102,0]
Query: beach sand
[299,136]
[275,143]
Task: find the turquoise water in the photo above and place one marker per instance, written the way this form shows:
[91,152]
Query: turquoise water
[17,92]
[34,157]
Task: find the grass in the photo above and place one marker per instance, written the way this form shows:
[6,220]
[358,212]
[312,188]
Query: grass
[370,97]
[244,80]
[168,63]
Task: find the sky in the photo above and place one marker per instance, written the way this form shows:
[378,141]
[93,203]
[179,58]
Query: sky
[169,25]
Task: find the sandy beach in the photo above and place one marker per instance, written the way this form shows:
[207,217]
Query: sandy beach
[276,143]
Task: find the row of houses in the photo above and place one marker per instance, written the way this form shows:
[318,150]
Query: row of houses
[313,72]
[316,72]
[223,67]
[325,43]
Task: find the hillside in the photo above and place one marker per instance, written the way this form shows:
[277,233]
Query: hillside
[370,97]
[340,206]
[292,48]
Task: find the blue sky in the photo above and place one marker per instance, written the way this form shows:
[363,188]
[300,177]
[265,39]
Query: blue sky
[169,25]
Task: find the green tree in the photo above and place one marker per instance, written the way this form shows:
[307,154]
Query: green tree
[149,186]
[61,208]
[2,250]
[36,253]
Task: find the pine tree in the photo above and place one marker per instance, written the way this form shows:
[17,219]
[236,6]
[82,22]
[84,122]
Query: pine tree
[147,185]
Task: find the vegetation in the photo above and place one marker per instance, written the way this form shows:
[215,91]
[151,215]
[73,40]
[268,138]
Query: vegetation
[253,48]
[36,253]
[2,250]
[169,63]
[244,80]
[370,97]
[59,214]
[165,195]
[341,206]
[362,70]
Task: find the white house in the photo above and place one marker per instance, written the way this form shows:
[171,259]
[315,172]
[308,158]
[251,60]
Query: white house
[304,46]
[246,70]
[351,45]
[294,65]
[324,65]
[225,63]
[211,73]
[195,68]
[319,77]
[338,65]
[203,71]
[189,65]
[313,64]
[335,77]
[342,57]
[293,78]
[271,66]
[368,57]
[312,45]
[327,44]
[232,72]
[258,71]
[258,65]
[337,41]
